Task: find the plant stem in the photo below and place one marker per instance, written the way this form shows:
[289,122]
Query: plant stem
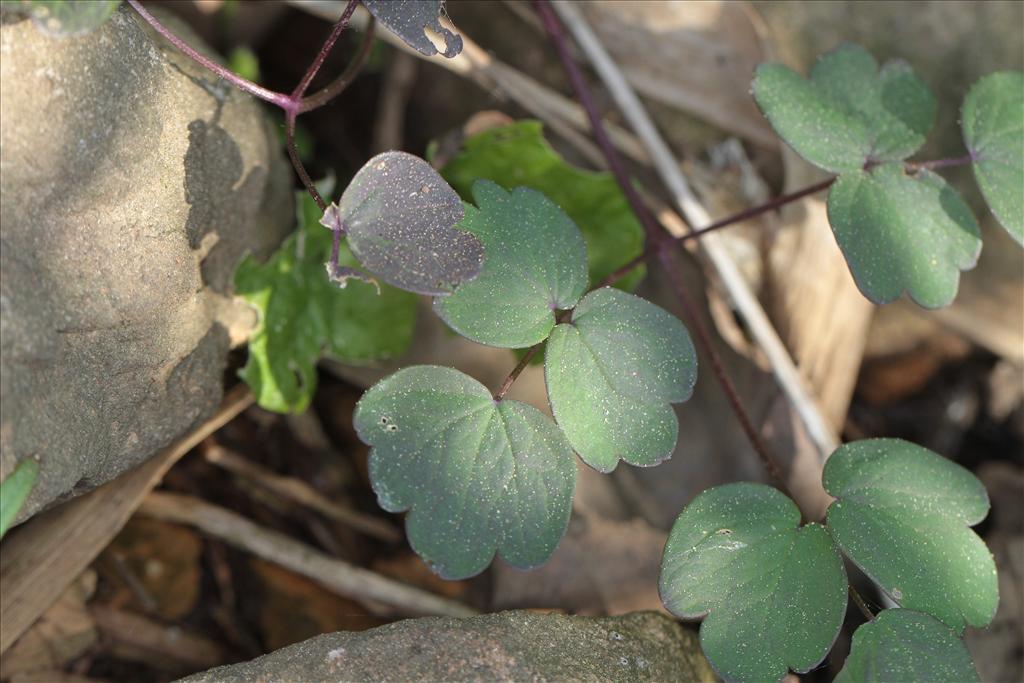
[861,605]
[942,163]
[615,164]
[325,50]
[279,99]
[659,239]
[335,87]
[292,104]
[516,371]
[747,214]
[675,278]
[525,361]
[739,217]
[295,100]
[293,154]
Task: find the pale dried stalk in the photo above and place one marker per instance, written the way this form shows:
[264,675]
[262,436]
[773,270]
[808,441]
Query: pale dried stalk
[300,492]
[747,305]
[336,575]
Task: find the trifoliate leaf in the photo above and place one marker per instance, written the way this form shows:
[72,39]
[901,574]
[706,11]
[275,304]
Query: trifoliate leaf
[399,216]
[904,645]
[302,316]
[14,490]
[535,264]
[774,592]
[477,477]
[993,123]
[903,232]
[518,155]
[902,515]
[64,17]
[407,19]
[849,113]
[612,373]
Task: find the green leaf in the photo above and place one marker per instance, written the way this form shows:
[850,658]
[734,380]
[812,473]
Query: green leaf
[902,515]
[244,62]
[518,155]
[14,490]
[535,263]
[612,373]
[903,645]
[302,315]
[849,113]
[903,232]
[399,216]
[774,592]
[993,123]
[478,477]
[64,17]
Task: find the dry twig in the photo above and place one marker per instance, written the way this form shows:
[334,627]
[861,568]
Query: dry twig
[300,492]
[335,575]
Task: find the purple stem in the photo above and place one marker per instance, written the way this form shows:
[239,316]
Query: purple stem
[335,87]
[944,163]
[654,235]
[280,99]
[325,50]
[336,250]
[291,104]
[739,217]
[293,154]
[295,101]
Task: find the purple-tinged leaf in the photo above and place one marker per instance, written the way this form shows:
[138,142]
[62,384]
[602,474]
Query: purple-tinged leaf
[407,19]
[399,217]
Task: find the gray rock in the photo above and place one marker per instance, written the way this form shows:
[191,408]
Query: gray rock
[509,646]
[132,182]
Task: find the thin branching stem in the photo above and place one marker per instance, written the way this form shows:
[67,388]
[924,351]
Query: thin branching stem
[335,87]
[300,169]
[325,50]
[280,99]
[292,104]
[746,214]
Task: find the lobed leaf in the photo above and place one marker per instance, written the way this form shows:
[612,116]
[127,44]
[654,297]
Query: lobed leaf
[903,645]
[407,19]
[773,592]
[399,216]
[850,112]
[902,514]
[64,18]
[302,316]
[993,125]
[612,373]
[535,264]
[14,491]
[478,477]
[518,155]
[902,232]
